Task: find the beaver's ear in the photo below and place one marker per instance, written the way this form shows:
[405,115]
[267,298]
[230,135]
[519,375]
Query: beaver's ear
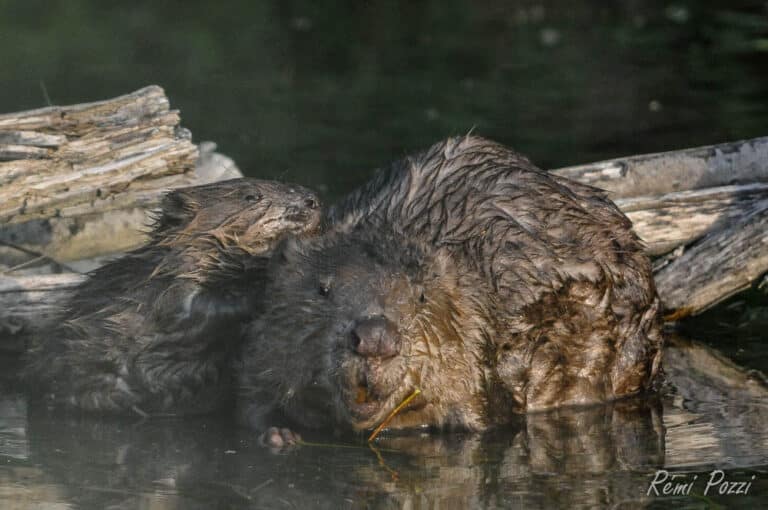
[177,208]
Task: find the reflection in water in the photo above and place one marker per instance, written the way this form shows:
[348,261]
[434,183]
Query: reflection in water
[718,412]
[605,455]
[556,459]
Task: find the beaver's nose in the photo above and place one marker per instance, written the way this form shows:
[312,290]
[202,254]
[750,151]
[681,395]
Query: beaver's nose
[375,337]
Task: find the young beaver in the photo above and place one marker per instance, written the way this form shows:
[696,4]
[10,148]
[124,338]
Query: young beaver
[536,294]
[153,331]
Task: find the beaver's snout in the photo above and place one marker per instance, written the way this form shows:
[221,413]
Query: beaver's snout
[375,337]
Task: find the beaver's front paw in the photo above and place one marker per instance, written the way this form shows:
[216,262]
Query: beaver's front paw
[279,438]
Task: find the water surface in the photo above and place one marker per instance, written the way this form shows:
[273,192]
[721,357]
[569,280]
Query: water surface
[710,416]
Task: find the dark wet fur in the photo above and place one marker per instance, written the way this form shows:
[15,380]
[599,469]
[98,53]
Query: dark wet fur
[155,331]
[537,294]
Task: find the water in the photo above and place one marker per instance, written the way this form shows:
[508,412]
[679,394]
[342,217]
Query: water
[321,95]
[712,417]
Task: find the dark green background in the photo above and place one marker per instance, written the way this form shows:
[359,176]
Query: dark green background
[323,92]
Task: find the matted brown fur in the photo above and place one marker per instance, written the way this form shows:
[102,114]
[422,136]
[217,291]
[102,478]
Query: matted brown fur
[155,331]
[491,285]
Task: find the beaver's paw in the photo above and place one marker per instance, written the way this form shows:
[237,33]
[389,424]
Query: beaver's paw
[279,438]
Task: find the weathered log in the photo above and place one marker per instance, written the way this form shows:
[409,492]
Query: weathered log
[722,223]
[720,265]
[77,181]
[667,221]
[97,150]
[686,360]
[741,162]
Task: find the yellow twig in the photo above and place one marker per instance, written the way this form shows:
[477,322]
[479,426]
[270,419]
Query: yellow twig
[394,412]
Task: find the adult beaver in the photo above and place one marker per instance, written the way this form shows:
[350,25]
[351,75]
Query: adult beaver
[154,331]
[463,271]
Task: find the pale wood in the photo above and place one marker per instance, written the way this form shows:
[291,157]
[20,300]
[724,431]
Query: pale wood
[691,360]
[78,182]
[667,221]
[689,198]
[721,265]
[723,164]
[102,149]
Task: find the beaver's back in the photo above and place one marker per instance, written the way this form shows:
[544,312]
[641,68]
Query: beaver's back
[573,291]
[524,228]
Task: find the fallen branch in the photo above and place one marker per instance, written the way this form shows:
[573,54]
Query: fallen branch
[29,303]
[741,162]
[77,181]
[719,266]
[667,221]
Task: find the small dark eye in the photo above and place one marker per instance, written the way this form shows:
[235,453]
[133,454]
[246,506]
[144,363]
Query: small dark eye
[324,290]
[422,298]
[311,203]
[252,198]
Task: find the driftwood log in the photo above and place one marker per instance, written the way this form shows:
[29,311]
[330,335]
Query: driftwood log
[29,303]
[77,182]
[720,265]
[706,205]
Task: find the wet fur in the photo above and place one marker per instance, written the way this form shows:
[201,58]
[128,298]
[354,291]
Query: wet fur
[154,331]
[538,281]
[298,358]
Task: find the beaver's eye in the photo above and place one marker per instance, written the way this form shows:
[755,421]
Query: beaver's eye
[422,298]
[324,290]
[252,198]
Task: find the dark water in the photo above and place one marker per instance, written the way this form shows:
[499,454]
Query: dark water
[321,93]
[708,422]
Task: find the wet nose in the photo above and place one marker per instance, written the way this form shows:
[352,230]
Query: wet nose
[375,337]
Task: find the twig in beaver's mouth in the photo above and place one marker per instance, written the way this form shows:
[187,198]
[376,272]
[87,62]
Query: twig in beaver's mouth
[392,414]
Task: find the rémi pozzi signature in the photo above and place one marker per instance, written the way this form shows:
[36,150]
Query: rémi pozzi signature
[680,484]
